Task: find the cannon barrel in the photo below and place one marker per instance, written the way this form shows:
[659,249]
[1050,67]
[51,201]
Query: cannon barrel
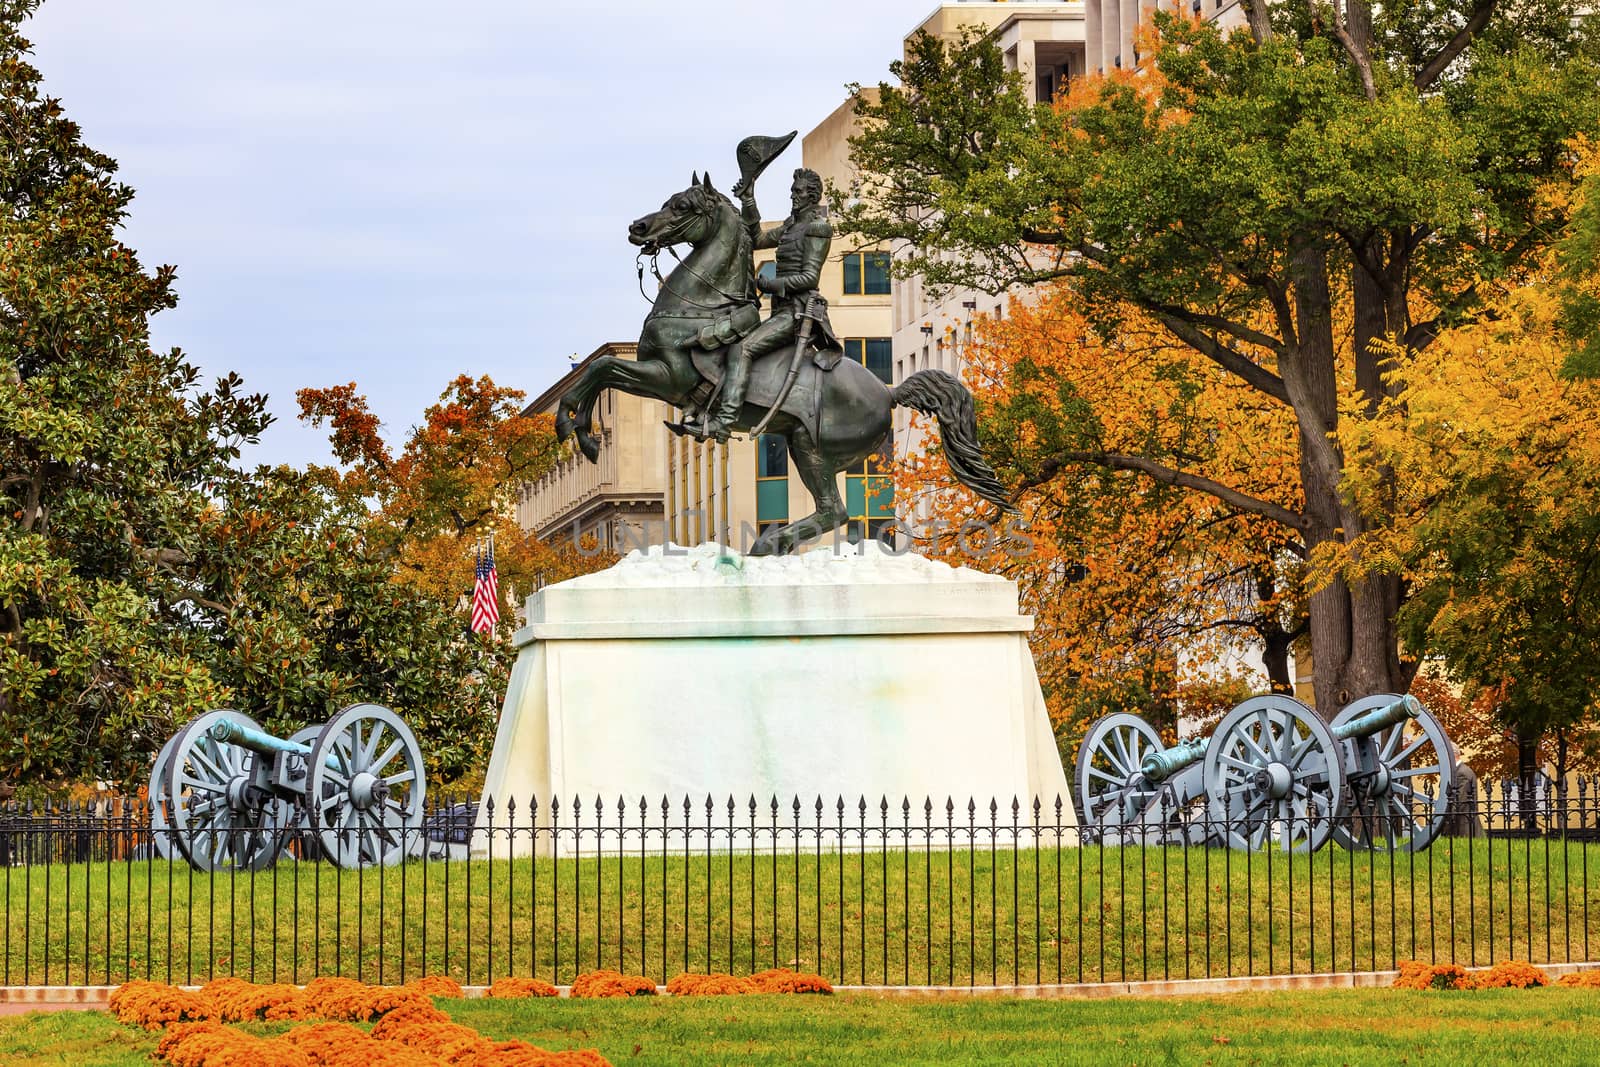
[261,742]
[1407,707]
[1159,766]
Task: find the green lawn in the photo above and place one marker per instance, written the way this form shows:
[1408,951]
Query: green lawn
[981,917]
[1544,1026]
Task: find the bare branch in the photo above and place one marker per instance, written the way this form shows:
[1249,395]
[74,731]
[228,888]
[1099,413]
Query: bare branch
[1229,359]
[1168,476]
[1354,48]
[1476,21]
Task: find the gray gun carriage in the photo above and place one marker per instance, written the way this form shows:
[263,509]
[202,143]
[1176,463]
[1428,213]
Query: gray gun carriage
[225,794]
[1273,773]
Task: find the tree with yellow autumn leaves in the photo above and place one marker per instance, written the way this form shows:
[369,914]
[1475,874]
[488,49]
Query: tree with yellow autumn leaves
[1296,206]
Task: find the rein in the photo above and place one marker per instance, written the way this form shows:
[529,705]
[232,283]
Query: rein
[728,299]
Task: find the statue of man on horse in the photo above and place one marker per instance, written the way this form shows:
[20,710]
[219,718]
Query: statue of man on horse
[705,349]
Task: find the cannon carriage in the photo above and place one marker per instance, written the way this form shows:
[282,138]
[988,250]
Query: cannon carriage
[225,794]
[1272,774]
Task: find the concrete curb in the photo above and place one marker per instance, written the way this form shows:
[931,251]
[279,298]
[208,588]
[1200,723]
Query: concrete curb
[46,998]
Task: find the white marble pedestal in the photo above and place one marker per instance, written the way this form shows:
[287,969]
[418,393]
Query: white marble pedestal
[837,673]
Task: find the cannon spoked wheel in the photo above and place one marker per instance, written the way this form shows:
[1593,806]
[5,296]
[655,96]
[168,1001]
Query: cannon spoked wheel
[1400,781]
[160,825]
[369,810]
[1273,774]
[1112,791]
[220,817]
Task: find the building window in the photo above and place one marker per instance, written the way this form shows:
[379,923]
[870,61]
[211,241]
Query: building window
[866,274]
[869,493]
[772,479]
[874,353]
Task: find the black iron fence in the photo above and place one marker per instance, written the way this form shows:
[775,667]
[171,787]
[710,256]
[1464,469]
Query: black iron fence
[869,892]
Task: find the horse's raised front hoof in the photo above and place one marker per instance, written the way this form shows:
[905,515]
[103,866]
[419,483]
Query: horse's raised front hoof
[589,446]
[564,425]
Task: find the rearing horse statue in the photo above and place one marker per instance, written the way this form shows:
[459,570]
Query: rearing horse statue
[832,419]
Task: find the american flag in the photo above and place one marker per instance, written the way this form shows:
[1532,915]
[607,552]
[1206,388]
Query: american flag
[485,593]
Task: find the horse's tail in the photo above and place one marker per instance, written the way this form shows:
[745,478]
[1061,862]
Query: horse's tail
[937,393]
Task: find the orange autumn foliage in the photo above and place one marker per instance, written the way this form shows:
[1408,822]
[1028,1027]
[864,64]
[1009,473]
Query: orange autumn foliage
[1139,588]
[612,984]
[510,988]
[420,1013]
[454,482]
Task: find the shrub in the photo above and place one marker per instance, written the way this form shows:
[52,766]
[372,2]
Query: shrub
[612,984]
[1415,974]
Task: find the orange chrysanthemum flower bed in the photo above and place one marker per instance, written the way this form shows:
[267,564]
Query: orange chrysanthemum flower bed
[1509,974]
[783,980]
[521,988]
[710,985]
[777,980]
[155,1006]
[1581,980]
[410,1031]
[437,985]
[1414,974]
[612,984]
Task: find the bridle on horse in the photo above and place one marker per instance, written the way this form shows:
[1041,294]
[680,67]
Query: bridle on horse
[676,234]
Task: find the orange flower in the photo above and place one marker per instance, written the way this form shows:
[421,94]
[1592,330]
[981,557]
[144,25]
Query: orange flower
[1415,974]
[415,1014]
[343,1045]
[1509,974]
[437,985]
[237,1000]
[1581,980]
[520,988]
[226,1047]
[612,984]
[178,1031]
[783,980]
[709,985]
[153,1005]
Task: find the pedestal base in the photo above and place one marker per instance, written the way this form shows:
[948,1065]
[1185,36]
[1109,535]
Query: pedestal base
[830,675]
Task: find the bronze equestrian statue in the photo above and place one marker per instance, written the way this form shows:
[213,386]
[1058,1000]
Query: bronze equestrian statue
[833,412]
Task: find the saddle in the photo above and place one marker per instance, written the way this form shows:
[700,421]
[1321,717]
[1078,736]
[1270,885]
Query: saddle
[767,373]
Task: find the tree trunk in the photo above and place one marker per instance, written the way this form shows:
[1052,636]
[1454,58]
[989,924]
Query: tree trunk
[1353,640]
[1527,770]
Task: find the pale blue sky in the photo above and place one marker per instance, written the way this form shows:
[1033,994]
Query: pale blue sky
[396,192]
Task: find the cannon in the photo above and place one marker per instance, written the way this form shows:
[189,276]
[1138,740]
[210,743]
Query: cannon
[1273,772]
[225,794]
